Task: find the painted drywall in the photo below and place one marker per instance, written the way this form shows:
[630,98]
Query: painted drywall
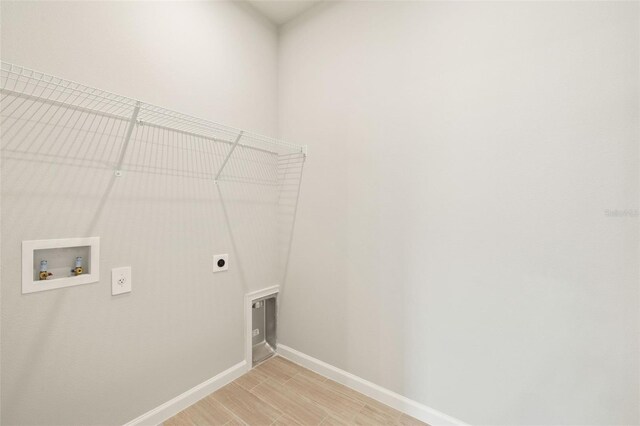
[78,355]
[215,60]
[452,243]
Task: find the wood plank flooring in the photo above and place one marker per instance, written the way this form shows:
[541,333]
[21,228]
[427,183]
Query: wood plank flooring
[279,392]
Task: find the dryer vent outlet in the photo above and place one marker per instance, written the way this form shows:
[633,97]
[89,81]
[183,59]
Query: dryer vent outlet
[263,319]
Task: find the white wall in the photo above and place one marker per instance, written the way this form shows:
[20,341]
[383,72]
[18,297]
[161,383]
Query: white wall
[452,243]
[215,60]
[79,355]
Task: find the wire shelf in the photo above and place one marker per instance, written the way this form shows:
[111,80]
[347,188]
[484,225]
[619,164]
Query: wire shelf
[53,119]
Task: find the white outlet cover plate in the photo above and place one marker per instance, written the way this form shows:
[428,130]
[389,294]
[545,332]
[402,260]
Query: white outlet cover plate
[217,258]
[121,280]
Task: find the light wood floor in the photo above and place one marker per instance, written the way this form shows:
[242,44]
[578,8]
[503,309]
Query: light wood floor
[279,392]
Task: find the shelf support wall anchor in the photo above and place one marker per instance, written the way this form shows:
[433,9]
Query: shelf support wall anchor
[127,138]
[224,163]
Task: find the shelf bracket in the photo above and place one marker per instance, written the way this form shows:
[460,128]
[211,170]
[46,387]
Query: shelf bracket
[127,138]
[224,163]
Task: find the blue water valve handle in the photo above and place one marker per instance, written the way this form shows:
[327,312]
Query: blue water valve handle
[44,273]
[78,270]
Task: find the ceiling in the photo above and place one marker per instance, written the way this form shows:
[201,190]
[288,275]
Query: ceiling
[281,11]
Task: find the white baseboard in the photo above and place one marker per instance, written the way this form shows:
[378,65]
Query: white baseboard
[193,395]
[385,396]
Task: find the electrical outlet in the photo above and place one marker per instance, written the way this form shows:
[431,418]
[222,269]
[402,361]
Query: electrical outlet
[220,262]
[256,332]
[121,280]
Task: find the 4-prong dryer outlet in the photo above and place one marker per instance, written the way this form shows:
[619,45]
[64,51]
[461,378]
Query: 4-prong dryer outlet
[220,262]
[263,321]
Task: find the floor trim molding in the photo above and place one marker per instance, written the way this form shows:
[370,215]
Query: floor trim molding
[392,399]
[190,397]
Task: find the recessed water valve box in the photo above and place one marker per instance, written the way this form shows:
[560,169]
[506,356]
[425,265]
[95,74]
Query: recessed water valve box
[53,264]
[220,262]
